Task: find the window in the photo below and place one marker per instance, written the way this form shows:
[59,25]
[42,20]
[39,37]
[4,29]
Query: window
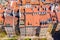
[32,0]
[53,19]
[42,0]
[43,13]
[39,13]
[1,22]
[22,31]
[44,8]
[49,20]
[29,31]
[13,0]
[45,23]
[7,25]
[27,5]
[41,23]
[21,22]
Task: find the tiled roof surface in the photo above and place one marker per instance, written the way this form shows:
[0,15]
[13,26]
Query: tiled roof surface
[34,13]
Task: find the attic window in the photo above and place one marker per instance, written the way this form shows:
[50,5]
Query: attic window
[40,23]
[43,22]
[13,0]
[32,0]
[46,23]
[53,19]
[27,5]
[49,20]
[43,13]
[42,0]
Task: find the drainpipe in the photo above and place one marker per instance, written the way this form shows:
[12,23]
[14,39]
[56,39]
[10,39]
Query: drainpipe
[13,21]
[25,21]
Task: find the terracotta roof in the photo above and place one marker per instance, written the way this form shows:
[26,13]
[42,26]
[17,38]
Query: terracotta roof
[9,20]
[28,1]
[8,11]
[41,3]
[1,6]
[21,9]
[18,1]
[48,8]
[1,20]
[35,19]
[13,4]
[58,16]
[15,9]
[52,14]
[35,9]
[44,17]
[1,11]
[28,10]
[34,2]
[29,19]
[23,2]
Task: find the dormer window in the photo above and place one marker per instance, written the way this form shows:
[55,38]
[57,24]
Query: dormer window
[32,0]
[41,23]
[42,0]
[27,5]
[43,13]
[13,0]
